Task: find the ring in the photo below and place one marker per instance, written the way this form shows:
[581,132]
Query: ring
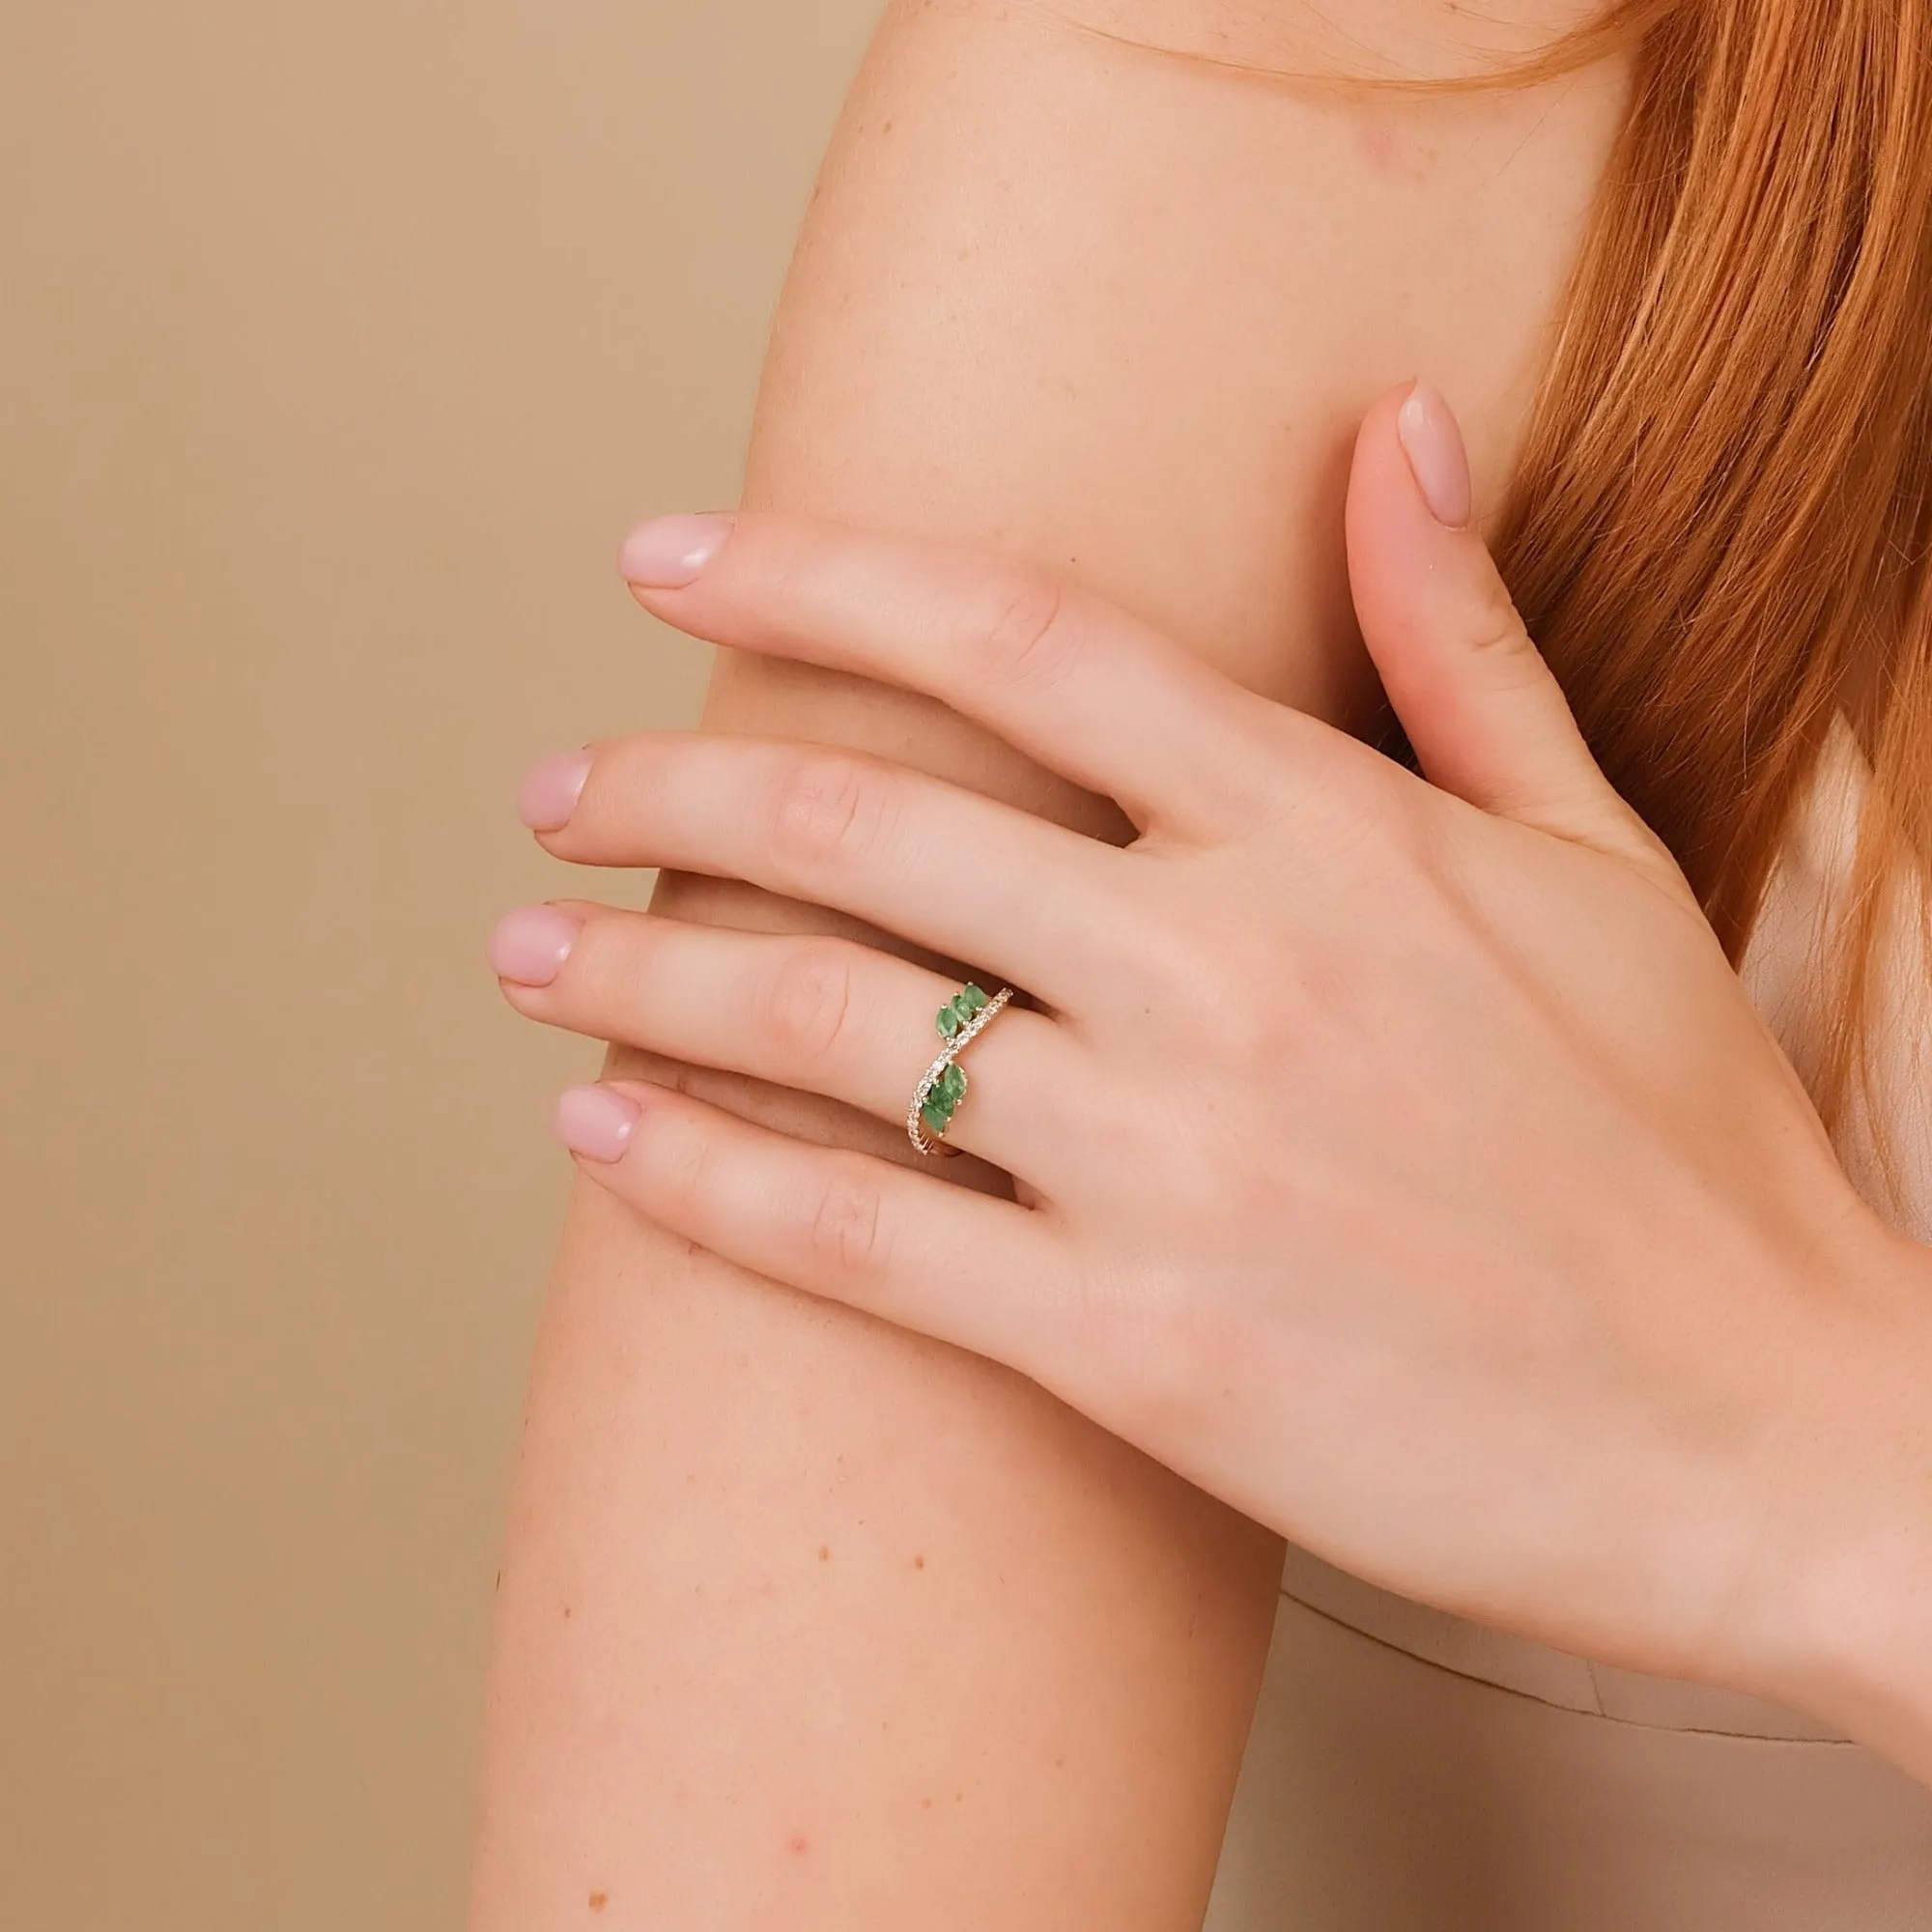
[961,1020]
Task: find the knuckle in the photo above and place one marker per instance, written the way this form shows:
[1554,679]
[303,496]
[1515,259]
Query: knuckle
[1242,1033]
[1015,628]
[609,956]
[1370,813]
[1497,631]
[822,812]
[1166,971]
[680,1167]
[1408,834]
[1265,765]
[1185,970]
[847,1224]
[808,1003]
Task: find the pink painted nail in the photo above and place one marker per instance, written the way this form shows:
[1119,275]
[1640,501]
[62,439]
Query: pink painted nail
[551,791]
[595,1122]
[1433,442]
[530,945]
[668,553]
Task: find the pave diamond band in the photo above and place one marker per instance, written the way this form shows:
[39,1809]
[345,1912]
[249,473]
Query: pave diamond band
[960,1021]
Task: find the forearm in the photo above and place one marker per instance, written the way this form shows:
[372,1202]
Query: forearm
[806,1622]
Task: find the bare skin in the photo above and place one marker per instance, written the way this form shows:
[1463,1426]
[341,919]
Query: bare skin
[807,1622]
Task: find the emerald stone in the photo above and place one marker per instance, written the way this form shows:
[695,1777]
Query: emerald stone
[934,1118]
[963,1007]
[952,1083]
[949,1021]
[975,997]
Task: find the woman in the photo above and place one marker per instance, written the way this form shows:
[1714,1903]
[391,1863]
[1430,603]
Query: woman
[1721,553]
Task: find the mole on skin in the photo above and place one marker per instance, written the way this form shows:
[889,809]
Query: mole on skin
[599,1900]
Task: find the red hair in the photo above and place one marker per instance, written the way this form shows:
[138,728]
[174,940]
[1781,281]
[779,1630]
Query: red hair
[1718,524]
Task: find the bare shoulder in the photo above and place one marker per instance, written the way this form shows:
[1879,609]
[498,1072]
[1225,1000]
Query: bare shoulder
[1430,39]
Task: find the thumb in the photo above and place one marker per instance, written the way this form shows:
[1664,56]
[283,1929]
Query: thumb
[1486,716]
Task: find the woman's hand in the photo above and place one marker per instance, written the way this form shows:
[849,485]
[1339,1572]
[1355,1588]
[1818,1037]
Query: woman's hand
[1397,1158]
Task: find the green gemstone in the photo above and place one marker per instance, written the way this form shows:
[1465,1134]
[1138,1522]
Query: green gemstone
[974,996]
[949,1022]
[952,1083]
[935,1121]
[961,1006]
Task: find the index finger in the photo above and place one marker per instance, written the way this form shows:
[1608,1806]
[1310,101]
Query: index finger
[1072,681]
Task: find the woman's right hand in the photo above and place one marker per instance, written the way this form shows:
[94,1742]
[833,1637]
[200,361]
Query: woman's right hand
[1401,1160]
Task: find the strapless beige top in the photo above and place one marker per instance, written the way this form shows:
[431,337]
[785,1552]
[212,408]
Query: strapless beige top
[1411,1772]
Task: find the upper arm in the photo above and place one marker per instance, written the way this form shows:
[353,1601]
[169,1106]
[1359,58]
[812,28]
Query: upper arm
[806,1622]
[1122,311]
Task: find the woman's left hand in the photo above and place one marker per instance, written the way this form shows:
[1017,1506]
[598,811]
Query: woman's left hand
[1397,1158]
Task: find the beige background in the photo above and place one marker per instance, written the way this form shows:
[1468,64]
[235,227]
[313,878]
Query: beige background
[338,346]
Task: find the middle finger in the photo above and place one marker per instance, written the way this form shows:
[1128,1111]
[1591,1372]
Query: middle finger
[934,863]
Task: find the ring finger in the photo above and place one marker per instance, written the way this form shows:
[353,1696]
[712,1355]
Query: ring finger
[820,1014]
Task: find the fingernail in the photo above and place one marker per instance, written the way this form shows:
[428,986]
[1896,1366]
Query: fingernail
[1433,442]
[551,791]
[595,1122]
[530,945]
[668,553]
